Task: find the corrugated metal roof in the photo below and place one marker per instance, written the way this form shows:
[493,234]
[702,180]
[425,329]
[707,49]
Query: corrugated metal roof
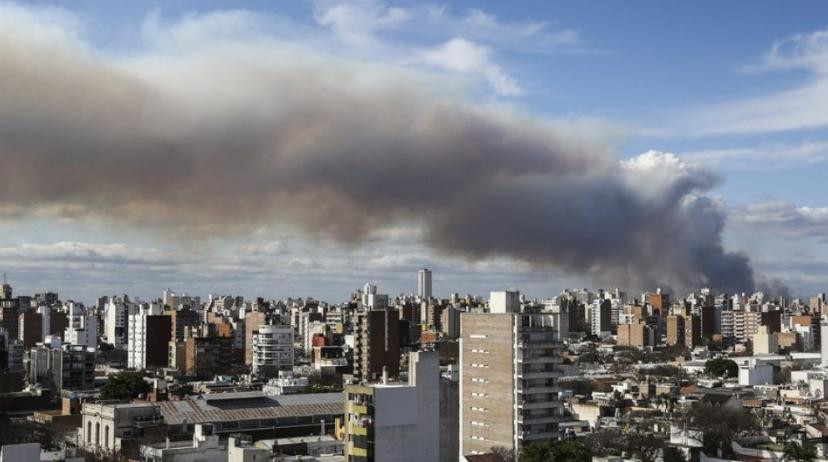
[250,406]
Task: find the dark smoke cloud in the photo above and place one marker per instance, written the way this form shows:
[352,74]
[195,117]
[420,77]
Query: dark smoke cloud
[227,136]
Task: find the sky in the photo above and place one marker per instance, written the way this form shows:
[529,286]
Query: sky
[303,148]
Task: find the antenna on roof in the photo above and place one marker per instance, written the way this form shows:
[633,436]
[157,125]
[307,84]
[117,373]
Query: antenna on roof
[4,277]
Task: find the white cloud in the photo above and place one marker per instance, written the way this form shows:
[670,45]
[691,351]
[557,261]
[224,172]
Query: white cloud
[356,22]
[460,55]
[798,108]
[772,156]
[784,218]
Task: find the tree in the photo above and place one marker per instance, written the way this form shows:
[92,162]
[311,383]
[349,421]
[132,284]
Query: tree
[720,424]
[718,367]
[672,454]
[556,451]
[794,451]
[504,454]
[125,385]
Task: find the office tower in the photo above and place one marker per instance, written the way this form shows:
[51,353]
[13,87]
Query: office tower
[509,369]
[5,290]
[272,350]
[377,344]
[399,422]
[149,336]
[424,283]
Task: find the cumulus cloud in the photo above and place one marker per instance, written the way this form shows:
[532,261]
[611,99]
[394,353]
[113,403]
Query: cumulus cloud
[239,133]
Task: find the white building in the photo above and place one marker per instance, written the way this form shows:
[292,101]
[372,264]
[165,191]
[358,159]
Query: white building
[285,384]
[272,349]
[82,330]
[755,373]
[401,422]
[115,322]
[504,301]
[824,344]
[137,334]
[372,300]
[204,447]
[424,284]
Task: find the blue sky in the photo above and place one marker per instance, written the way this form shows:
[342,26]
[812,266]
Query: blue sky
[739,87]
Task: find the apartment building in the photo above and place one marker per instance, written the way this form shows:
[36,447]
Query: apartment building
[509,369]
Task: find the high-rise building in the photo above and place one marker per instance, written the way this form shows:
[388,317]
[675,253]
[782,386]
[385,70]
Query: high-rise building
[675,330]
[424,283]
[149,335]
[399,422]
[272,350]
[377,344]
[5,291]
[82,330]
[509,369]
[67,367]
[115,322]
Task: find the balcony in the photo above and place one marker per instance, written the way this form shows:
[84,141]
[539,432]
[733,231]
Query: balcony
[539,374]
[533,436]
[536,390]
[526,359]
[538,404]
[543,419]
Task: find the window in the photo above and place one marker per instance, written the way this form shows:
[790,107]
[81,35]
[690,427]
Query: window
[479,424]
[479,380]
[481,336]
[480,350]
[479,409]
[479,365]
[479,395]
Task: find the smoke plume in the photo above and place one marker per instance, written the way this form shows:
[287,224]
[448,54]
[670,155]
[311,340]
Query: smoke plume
[227,136]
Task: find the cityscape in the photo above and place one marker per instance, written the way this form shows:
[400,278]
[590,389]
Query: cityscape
[402,231]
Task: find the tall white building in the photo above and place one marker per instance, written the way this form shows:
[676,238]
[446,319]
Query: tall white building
[116,322]
[824,344]
[137,334]
[272,349]
[372,300]
[424,283]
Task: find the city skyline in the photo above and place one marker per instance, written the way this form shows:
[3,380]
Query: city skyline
[168,177]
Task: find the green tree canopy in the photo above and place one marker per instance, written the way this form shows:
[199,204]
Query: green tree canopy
[556,451]
[125,385]
[721,366]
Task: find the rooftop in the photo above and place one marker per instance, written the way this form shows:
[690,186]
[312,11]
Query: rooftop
[222,407]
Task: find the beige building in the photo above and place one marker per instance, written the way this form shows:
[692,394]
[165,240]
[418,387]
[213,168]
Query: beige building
[107,426]
[509,369]
[764,342]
